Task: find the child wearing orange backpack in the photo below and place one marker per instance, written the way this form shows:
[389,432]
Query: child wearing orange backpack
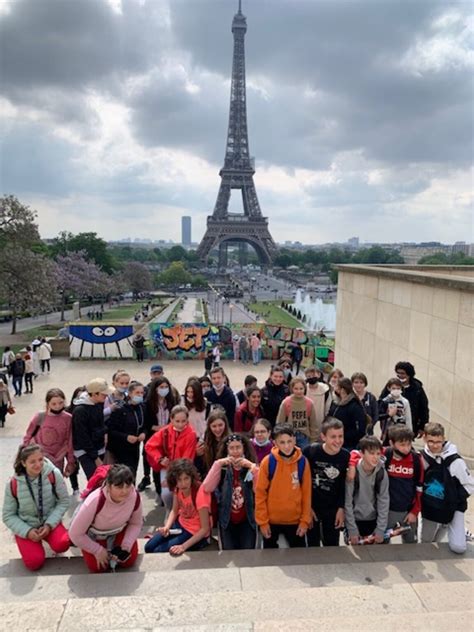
[298,411]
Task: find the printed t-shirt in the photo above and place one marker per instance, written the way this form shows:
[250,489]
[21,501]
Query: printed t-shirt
[238,512]
[188,514]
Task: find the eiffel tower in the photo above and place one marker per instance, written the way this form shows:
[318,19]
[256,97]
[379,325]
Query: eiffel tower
[249,227]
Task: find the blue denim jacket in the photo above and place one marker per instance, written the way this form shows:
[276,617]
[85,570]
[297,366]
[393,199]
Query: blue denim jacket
[224,497]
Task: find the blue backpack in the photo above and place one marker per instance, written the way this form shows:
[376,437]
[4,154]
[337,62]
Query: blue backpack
[272,464]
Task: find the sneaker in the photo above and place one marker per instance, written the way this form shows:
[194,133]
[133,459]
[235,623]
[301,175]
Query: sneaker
[469,536]
[144,483]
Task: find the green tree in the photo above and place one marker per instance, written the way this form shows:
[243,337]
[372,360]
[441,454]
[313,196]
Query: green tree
[95,248]
[17,223]
[138,277]
[175,274]
[442,259]
[27,281]
[176,253]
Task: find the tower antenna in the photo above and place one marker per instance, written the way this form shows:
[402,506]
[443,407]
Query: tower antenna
[240,6]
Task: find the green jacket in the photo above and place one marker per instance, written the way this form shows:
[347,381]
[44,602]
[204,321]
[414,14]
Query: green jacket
[20,514]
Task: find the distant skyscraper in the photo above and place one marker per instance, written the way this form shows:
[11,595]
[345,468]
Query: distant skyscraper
[186,230]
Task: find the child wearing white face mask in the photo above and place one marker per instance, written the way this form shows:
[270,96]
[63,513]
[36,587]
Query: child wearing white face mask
[126,428]
[394,409]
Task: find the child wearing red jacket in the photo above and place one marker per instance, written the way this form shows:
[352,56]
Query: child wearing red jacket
[405,477]
[176,440]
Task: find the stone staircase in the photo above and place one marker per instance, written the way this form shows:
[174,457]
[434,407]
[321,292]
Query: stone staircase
[393,587]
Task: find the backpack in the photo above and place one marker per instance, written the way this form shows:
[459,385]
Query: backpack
[97,480]
[272,464]
[39,423]
[287,405]
[14,486]
[379,475]
[442,493]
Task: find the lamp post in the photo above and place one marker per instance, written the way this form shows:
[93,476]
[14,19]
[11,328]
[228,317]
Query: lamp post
[231,307]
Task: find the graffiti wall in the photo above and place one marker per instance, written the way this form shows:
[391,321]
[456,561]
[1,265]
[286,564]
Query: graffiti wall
[176,341]
[100,341]
[193,340]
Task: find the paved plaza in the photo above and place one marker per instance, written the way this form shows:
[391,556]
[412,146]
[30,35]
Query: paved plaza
[418,587]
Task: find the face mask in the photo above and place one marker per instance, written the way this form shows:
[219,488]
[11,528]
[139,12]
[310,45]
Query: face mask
[398,453]
[286,456]
[261,443]
[218,389]
[333,383]
[311,380]
[137,399]
[287,372]
[163,392]
[395,392]
[403,380]
[121,389]
[57,412]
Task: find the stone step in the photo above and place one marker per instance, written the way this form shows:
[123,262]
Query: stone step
[71,562]
[155,581]
[323,608]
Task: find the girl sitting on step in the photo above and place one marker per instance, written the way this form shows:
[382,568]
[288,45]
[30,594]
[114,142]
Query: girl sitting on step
[35,501]
[107,525]
[187,526]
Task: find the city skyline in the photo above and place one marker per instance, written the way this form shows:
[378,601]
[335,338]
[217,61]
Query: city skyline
[114,116]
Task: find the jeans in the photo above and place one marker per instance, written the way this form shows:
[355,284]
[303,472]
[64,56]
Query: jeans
[302,440]
[162,544]
[29,382]
[289,531]
[255,356]
[324,532]
[17,382]
[244,355]
[237,536]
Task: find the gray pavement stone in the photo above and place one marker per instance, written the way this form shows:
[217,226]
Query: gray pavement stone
[31,616]
[457,597]
[413,622]
[223,608]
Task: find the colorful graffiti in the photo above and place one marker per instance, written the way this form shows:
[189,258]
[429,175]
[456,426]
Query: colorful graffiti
[100,341]
[193,340]
[176,341]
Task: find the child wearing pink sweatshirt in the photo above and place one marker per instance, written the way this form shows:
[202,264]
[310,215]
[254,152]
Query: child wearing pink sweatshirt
[52,430]
[108,523]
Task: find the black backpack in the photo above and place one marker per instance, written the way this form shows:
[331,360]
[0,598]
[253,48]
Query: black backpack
[443,494]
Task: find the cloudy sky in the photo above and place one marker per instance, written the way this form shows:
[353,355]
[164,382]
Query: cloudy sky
[114,115]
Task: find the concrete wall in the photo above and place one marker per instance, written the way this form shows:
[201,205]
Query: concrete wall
[386,314]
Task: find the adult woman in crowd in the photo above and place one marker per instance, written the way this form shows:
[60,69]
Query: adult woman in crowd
[350,411]
[414,392]
[367,399]
[273,393]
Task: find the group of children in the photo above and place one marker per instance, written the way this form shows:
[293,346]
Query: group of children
[218,463]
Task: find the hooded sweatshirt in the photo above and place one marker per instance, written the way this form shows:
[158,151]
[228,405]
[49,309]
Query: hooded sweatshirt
[112,517]
[244,419]
[20,514]
[457,469]
[366,504]
[54,436]
[320,395]
[352,414]
[167,442]
[88,427]
[272,397]
[283,500]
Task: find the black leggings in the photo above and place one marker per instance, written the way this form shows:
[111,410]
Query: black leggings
[289,531]
[324,532]
[88,465]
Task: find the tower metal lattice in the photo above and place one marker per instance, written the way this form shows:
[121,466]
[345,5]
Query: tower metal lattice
[249,227]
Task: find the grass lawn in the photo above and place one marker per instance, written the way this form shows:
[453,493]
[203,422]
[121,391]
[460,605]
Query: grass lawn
[50,330]
[274,314]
